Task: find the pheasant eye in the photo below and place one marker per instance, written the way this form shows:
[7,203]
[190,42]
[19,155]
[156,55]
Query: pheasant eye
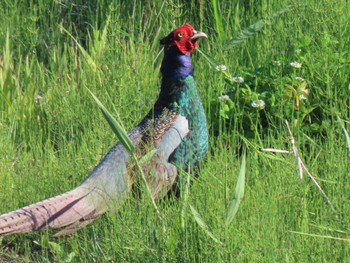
[180,35]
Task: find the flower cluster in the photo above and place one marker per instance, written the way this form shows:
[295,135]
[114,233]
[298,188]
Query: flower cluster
[276,63]
[259,104]
[280,89]
[299,78]
[221,67]
[238,79]
[224,97]
[295,64]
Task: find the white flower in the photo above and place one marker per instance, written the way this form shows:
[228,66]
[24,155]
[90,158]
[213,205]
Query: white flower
[258,104]
[297,51]
[299,78]
[238,79]
[276,63]
[224,97]
[221,67]
[295,64]
[303,97]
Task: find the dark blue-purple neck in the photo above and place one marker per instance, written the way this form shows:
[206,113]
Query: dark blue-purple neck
[175,65]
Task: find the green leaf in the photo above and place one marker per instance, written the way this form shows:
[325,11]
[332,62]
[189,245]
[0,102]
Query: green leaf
[116,127]
[86,55]
[239,192]
[218,20]
[344,130]
[256,27]
[147,156]
[69,257]
[203,225]
[210,59]
[185,194]
[56,248]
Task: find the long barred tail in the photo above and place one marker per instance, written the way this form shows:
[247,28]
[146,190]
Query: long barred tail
[71,209]
[105,188]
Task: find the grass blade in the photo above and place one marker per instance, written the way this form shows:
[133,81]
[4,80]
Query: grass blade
[148,156]
[239,192]
[218,20]
[213,62]
[116,127]
[320,236]
[344,129]
[256,27]
[203,225]
[185,195]
[85,54]
[125,140]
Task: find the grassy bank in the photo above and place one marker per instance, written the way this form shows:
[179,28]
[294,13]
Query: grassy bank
[52,133]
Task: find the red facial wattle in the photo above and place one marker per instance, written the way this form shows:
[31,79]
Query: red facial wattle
[185,38]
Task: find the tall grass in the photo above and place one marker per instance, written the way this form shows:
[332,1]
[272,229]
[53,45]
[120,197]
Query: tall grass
[52,133]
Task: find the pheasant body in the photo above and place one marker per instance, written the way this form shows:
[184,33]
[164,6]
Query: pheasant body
[175,128]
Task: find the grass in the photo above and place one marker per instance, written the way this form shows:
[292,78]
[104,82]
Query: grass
[52,133]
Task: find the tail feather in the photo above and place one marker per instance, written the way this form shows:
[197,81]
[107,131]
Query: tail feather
[73,228]
[55,212]
[106,188]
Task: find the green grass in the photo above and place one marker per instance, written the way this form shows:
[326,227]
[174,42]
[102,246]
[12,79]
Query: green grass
[52,133]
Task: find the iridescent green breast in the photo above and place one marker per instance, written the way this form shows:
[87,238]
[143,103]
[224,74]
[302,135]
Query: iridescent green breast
[195,145]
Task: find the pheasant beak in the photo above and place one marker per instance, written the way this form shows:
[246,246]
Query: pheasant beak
[197,35]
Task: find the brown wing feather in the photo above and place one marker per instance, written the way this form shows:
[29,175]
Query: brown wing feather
[161,173]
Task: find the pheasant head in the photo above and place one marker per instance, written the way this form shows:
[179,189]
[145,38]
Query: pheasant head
[185,38]
[178,45]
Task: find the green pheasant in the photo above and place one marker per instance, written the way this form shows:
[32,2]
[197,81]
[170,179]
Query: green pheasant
[175,127]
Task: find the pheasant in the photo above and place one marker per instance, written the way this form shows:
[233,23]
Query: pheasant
[175,127]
